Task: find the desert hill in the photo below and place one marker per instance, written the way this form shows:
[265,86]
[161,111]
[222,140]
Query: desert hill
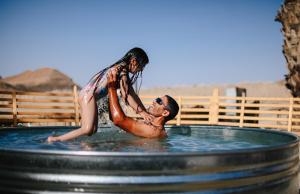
[44,79]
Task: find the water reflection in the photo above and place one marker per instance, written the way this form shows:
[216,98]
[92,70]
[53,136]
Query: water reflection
[136,145]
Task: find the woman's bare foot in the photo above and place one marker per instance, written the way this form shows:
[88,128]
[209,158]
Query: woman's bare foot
[52,139]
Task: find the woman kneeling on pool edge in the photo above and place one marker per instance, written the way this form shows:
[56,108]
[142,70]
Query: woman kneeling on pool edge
[133,62]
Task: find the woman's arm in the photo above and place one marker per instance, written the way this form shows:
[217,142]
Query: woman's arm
[133,100]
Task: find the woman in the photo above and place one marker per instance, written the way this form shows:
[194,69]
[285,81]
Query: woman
[133,62]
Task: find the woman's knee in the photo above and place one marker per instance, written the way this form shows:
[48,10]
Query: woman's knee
[88,130]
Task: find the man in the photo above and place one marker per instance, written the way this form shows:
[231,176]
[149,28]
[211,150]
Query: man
[163,109]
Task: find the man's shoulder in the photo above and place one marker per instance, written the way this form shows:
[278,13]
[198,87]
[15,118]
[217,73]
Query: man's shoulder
[149,129]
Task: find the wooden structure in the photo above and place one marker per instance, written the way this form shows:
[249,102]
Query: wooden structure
[40,108]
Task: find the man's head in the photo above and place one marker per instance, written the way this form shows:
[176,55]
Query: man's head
[164,106]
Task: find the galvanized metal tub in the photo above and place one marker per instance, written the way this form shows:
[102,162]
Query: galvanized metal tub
[273,169]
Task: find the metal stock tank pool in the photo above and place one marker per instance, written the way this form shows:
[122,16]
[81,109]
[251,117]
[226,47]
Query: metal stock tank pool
[193,159]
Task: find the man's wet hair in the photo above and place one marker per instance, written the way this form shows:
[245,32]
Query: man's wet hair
[172,107]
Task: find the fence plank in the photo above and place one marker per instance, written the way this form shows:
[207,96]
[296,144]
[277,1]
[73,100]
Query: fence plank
[6,105]
[196,103]
[256,98]
[297,127]
[205,110]
[266,112]
[221,110]
[228,124]
[214,108]
[66,94]
[45,107]
[30,120]
[76,105]
[179,111]
[6,121]
[265,126]
[254,118]
[290,115]
[14,100]
[5,92]
[6,99]
[44,100]
[183,122]
[255,105]
[242,112]
[6,113]
[46,113]
[195,98]
[183,116]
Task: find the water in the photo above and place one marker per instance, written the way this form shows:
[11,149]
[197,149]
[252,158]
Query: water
[184,139]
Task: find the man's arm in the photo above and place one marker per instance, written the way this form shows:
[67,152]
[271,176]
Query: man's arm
[120,119]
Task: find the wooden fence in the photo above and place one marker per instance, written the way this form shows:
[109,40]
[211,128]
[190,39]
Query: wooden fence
[40,108]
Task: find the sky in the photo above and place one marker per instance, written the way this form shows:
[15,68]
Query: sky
[188,41]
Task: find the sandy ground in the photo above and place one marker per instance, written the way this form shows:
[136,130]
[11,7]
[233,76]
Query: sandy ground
[258,89]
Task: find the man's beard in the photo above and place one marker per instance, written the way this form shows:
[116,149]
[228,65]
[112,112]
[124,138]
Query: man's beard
[150,111]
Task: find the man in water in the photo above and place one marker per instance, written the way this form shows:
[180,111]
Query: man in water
[163,109]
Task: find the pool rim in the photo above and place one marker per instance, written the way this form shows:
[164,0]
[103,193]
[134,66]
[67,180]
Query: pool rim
[193,153]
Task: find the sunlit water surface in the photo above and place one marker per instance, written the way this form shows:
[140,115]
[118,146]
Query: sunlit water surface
[184,139]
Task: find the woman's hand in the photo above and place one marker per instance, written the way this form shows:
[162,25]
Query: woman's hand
[112,76]
[146,116]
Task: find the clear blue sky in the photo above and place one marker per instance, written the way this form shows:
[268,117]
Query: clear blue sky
[188,41]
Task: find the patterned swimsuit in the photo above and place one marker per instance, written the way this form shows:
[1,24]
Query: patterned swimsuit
[97,87]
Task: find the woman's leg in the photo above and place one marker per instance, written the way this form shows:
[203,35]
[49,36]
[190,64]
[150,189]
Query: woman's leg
[88,120]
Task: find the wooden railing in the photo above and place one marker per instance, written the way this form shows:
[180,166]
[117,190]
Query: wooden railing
[37,108]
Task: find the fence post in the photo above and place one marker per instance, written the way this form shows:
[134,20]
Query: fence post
[178,122]
[14,104]
[242,112]
[290,114]
[214,108]
[76,105]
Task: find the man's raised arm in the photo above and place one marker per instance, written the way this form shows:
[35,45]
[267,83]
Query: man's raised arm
[119,118]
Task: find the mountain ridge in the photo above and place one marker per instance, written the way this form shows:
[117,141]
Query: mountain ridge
[43,79]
